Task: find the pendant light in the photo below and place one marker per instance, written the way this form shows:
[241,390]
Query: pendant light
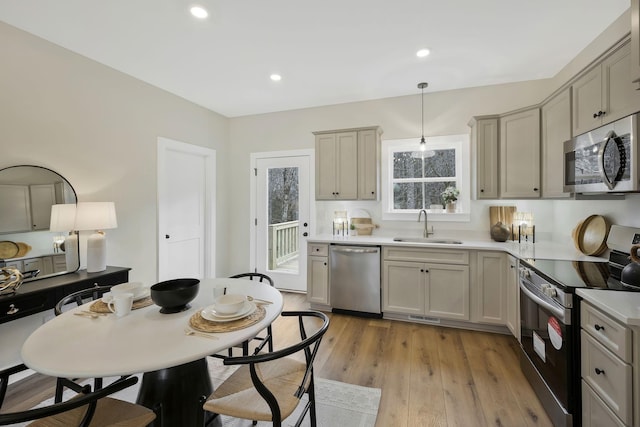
[423,143]
[423,153]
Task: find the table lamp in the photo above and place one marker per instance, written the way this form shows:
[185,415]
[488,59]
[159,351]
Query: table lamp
[63,219]
[97,216]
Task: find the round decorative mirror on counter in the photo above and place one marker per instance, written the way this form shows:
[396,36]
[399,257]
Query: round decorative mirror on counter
[37,212]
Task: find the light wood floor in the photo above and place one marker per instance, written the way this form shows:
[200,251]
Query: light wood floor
[429,375]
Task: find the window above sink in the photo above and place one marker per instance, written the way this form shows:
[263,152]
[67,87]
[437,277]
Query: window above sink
[412,179]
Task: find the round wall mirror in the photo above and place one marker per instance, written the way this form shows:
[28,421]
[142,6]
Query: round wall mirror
[37,211]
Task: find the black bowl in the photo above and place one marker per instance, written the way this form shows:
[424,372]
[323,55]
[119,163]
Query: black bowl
[174,295]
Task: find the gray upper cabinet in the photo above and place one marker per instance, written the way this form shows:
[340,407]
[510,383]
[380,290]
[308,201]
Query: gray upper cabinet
[347,164]
[556,129]
[520,155]
[635,42]
[605,93]
[484,148]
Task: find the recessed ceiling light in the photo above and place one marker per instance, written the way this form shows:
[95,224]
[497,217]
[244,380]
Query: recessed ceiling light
[422,53]
[275,77]
[199,12]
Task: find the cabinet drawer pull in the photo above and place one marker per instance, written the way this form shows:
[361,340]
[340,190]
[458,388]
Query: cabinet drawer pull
[598,327]
[599,371]
[13,309]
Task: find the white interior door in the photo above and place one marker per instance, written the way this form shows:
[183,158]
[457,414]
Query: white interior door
[186,207]
[281,215]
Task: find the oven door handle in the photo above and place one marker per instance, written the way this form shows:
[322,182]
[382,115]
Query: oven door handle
[555,310]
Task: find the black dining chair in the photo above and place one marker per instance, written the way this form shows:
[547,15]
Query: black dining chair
[267,339]
[78,298]
[87,409]
[269,386]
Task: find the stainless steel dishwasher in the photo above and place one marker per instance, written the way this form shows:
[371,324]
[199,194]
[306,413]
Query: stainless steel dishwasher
[354,276]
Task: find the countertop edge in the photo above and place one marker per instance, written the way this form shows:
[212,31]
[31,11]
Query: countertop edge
[540,250]
[621,305]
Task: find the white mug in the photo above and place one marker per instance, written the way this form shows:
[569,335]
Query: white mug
[121,304]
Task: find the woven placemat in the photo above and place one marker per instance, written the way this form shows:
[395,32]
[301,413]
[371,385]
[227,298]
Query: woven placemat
[199,323]
[100,306]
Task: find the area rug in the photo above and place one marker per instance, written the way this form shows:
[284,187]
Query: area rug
[337,403]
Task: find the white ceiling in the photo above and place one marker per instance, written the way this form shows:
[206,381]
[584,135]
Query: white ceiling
[327,51]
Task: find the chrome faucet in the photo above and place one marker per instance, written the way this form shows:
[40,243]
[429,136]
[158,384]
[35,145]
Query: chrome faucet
[426,231]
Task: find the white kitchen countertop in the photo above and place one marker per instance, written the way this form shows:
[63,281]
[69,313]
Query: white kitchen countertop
[539,250]
[621,305]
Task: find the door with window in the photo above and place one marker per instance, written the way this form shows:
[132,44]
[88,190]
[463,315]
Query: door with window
[281,218]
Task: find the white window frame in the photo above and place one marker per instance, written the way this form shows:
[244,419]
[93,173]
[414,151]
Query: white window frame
[463,206]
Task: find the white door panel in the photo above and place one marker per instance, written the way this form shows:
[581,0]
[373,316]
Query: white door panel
[185,210]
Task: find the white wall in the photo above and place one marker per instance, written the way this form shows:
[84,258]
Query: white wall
[98,128]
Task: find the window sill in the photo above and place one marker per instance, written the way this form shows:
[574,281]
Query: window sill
[433,216]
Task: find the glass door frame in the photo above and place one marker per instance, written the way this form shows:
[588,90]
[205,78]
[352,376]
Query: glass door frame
[253,204]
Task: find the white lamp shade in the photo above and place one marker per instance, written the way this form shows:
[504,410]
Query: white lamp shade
[95,216]
[63,217]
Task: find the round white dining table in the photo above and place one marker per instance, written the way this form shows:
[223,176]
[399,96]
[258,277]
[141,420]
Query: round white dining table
[146,341]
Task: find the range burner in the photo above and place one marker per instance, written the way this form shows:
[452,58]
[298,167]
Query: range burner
[592,274]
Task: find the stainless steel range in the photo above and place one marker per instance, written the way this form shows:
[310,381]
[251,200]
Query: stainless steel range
[550,324]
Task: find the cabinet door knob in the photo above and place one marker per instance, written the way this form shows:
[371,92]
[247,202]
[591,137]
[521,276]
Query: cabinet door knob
[422,270]
[166,236]
[482,190]
[599,371]
[305,234]
[373,192]
[426,271]
[325,263]
[305,224]
[535,189]
[598,327]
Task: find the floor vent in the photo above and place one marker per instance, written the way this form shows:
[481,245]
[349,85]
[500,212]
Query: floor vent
[425,319]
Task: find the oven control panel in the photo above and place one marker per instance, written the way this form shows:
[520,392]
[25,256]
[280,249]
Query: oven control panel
[546,288]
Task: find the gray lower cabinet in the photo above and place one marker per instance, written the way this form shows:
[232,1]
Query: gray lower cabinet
[426,282]
[491,286]
[318,274]
[607,369]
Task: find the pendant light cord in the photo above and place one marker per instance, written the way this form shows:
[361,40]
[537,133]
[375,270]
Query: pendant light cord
[422,86]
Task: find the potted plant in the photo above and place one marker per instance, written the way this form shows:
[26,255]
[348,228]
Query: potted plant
[449,197]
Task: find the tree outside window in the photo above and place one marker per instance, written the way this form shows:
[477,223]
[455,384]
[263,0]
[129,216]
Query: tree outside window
[413,179]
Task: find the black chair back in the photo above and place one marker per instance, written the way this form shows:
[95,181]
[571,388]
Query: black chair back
[87,398]
[81,297]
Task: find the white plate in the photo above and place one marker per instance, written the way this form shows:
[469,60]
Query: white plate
[108,296]
[209,313]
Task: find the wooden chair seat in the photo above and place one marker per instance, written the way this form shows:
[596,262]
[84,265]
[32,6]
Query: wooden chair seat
[87,409]
[110,412]
[269,386]
[239,398]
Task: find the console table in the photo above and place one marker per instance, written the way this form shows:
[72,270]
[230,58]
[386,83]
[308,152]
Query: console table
[40,295]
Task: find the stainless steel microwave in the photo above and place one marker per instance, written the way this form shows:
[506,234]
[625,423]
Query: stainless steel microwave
[604,160]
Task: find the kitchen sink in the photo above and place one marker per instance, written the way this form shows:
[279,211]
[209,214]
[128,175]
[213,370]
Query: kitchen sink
[442,241]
